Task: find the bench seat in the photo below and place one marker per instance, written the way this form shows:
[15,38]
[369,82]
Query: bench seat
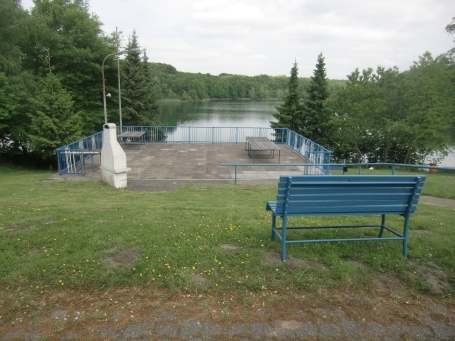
[324,195]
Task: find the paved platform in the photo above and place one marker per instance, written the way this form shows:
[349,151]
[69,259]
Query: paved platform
[197,162]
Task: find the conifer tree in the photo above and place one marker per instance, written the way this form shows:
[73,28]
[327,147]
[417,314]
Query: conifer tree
[151,107]
[140,103]
[134,87]
[314,119]
[289,112]
[54,122]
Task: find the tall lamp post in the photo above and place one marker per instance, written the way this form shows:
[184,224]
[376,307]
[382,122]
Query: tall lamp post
[104,83]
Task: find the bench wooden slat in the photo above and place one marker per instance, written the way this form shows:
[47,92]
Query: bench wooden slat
[340,196]
[307,205]
[339,209]
[343,210]
[345,195]
[314,191]
[324,179]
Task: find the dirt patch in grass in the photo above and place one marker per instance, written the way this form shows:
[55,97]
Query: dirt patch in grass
[387,284]
[16,228]
[421,231]
[124,257]
[228,247]
[275,258]
[434,277]
[111,250]
[48,222]
[355,263]
[196,278]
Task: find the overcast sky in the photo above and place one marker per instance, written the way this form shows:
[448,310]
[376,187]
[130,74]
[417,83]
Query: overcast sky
[253,37]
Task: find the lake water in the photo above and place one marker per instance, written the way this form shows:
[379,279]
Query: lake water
[218,113]
[234,114]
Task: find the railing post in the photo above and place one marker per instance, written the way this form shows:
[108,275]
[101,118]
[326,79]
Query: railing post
[58,161]
[235,174]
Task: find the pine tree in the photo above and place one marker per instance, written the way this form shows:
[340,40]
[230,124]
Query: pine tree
[134,87]
[54,122]
[314,119]
[151,107]
[289,112]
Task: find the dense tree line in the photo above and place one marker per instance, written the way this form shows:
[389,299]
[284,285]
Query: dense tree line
[50,77]
[196,86]
[382,116]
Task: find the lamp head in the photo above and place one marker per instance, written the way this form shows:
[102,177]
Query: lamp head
[108,95]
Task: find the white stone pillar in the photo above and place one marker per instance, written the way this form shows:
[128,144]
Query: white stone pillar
[113,158]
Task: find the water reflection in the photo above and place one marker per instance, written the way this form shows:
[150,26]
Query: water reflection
[218,113]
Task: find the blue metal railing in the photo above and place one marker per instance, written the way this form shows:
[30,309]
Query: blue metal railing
[394,165]
[310,150]
[71,157]
[192,134]
[309,168]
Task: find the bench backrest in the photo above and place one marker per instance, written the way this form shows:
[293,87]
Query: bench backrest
[345,194]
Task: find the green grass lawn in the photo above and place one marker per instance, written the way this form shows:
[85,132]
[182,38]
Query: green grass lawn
[58,235]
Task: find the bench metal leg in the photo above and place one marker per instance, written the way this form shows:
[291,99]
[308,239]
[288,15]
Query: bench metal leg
[283,239]
[405,236]
[382,226]
[273,226]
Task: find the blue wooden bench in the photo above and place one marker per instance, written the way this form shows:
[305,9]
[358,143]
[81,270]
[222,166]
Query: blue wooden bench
[323,195]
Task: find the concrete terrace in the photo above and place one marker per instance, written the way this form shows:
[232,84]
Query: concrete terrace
[173,163]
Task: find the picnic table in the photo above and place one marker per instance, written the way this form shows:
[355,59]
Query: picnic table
[261,144]
[137,135]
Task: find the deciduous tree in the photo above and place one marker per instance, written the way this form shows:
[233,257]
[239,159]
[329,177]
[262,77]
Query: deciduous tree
[78,46]
[429,99]
[355,112]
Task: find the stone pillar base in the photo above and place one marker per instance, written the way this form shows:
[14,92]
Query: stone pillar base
[117,180]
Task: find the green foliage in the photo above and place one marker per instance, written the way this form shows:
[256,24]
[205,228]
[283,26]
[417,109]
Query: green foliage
[289,113]
[197,86]
[353,120]
[138,97]
[315,118]
[450,28]
[12,24]
[54,122]
[391,116]
[74,36]
[429,99]
[8,105]
[151,107]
